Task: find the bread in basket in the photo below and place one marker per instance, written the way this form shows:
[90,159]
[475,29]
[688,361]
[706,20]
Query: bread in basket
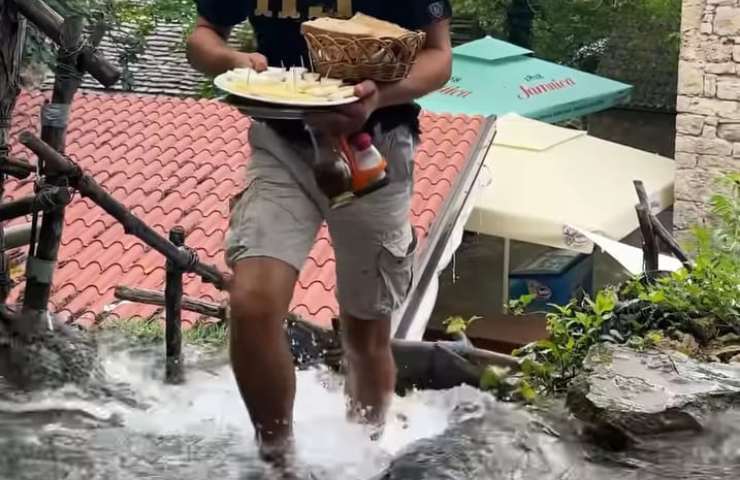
[361,48]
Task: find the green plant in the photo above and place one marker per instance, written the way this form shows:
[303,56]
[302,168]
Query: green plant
[726,210]
[650,340]
[455,325]
[562,27]
[679,309]
[711,289]
[490,14]
[150,331]
[518,306]
[572,330]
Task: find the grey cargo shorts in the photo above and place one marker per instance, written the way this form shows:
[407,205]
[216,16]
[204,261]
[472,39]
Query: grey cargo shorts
[280,212]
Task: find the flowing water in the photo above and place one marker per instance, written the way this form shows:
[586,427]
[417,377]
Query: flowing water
[201,430]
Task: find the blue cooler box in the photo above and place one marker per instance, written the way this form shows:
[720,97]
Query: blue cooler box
[555,277]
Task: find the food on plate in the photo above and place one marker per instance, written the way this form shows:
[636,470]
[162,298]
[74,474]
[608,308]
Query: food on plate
[295,84]
[330,82]
[342,92]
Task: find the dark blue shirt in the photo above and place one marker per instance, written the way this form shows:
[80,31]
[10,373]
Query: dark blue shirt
[276,23]
[277,28]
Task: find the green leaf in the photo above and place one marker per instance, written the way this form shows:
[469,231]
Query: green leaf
[492,377]
[527,391]
[455,325]
[605,302]
[458,324]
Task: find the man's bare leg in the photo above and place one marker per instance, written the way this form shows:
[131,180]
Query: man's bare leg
[260,294]
[371,376]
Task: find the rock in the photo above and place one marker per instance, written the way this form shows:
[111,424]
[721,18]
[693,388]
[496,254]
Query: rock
[735,359]
[704,329]
[625,392]
[682,342]
[49,359]
[488,440]
[726,354]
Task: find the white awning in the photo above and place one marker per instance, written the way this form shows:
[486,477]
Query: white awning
[543,178]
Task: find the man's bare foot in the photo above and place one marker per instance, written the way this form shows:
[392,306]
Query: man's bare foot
[374,421]
[279,454]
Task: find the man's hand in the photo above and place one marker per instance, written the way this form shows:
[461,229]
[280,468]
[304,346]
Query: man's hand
[209,53]
[349,119]
[255,61]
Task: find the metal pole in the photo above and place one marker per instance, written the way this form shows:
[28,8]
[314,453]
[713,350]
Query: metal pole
[505,273]
[173,320]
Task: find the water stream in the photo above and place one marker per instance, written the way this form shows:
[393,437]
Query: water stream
[201,430]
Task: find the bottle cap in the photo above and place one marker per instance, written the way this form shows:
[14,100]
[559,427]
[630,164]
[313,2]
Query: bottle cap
[362,141]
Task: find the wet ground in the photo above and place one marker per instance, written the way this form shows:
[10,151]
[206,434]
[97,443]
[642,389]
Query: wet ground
[201,430]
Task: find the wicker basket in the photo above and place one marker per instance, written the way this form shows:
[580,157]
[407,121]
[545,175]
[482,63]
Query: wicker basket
[356,58]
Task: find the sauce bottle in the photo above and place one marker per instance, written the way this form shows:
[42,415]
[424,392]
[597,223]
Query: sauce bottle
[367,165]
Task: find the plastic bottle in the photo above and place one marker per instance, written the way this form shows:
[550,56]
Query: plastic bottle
[334,179]
[368,165]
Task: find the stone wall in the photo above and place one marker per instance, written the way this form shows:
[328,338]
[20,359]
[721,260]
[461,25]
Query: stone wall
[708,121]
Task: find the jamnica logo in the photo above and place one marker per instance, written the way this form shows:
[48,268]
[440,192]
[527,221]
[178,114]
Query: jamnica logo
[528,92]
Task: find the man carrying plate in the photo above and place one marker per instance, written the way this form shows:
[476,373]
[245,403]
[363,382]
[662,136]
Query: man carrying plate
[275,221]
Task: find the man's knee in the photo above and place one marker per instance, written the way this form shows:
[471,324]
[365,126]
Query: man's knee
[255,303]
[366,339]
[261,290]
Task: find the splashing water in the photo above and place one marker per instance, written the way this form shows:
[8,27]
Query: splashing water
[201,430]
[178,430]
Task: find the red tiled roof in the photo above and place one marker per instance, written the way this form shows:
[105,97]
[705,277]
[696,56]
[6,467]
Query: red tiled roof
[175,161]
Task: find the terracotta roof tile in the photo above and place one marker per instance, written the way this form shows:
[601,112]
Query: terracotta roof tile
[175,161]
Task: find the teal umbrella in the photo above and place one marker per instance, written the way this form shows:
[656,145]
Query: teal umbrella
[491,77]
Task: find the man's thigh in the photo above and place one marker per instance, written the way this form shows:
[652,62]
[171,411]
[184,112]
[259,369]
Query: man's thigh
[273,217]
[374,241]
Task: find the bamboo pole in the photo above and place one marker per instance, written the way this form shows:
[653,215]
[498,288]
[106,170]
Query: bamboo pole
[476,355]
[54,118]
[174,372]
[154,297]
[16,168]
[51,24]
[88,187]
[50,199]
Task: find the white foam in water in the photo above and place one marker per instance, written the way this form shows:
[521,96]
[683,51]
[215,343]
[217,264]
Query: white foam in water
[209,404]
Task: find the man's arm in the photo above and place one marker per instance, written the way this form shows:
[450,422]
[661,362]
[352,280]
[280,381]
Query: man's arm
[430,72]
[208,52]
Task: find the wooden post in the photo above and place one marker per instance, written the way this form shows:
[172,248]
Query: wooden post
[51,24]
[649,239]
[174,372]
[156,297]
[54,116]
[670,242]
[12,37]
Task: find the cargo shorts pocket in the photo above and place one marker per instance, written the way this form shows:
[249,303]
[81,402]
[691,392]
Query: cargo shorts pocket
[396,268]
